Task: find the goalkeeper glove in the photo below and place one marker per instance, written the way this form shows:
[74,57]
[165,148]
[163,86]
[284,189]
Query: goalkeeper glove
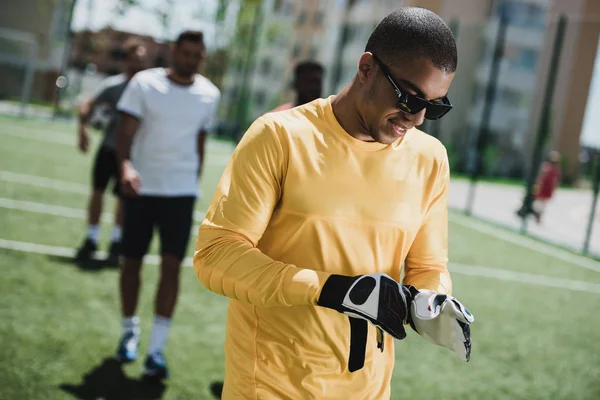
[375,298]
[442,320]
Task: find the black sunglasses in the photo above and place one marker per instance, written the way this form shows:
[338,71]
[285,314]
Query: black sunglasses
[411,104]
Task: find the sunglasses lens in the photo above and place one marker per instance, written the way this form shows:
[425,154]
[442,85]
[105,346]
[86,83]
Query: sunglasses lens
[436,111]
[411,105]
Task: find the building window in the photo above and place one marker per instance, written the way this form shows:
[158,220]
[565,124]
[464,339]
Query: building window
[297,50]
[519,58]
[265,66]
[522,14]
[527,59]
[301,18]
[319,17]
[509,97]
[260,98]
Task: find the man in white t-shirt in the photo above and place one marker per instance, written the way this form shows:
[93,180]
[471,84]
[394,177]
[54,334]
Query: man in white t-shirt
[165,114]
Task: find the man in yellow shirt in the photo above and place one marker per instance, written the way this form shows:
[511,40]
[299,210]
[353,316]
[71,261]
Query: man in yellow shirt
[317,212]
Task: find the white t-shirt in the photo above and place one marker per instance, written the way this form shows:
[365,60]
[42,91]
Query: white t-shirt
[164,150]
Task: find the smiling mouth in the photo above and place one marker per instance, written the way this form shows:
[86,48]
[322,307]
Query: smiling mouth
[399,130]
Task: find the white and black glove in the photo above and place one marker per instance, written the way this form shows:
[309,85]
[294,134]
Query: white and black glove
[375,298]
[442,320]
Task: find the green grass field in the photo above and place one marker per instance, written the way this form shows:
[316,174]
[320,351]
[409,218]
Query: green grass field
[59,323]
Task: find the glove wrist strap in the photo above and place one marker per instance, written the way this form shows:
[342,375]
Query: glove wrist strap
[334,290]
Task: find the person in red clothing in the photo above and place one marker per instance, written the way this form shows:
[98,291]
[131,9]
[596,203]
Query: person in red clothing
[548,180]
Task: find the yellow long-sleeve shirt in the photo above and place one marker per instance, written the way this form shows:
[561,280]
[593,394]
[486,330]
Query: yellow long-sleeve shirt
[302,199]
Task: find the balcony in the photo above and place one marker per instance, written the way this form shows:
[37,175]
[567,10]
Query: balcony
[505,117]
[512,78]
[530,37]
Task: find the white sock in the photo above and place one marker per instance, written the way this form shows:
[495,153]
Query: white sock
[131,324]
[93,233]
[116,233]
[160,333]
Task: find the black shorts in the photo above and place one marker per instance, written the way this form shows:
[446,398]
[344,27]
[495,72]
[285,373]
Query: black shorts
[106,167]
[172,215]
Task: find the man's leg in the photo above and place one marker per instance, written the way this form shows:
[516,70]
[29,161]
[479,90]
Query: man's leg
[137,233]
[174,223]
[116,234]
[117,230]
[130,286]
[95,206]
[168,287]
[100,176]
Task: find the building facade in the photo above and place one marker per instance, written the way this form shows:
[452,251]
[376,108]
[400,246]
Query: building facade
[33,32]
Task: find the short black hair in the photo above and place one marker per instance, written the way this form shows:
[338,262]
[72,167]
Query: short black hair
[307,66]
[414,32]
[190,36]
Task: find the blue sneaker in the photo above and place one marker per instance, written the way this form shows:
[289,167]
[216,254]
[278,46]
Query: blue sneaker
[128,348]
[155,366]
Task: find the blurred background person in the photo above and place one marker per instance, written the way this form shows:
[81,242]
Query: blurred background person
[308,84]
[105,168]
[547,182]
[165,116]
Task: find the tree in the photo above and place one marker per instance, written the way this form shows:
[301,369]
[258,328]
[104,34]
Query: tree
[163,12]
[336,73]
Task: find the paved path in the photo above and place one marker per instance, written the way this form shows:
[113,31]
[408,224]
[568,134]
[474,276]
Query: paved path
[564,222]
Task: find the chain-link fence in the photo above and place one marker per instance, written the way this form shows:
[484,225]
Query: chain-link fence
[525,86]
[523,94]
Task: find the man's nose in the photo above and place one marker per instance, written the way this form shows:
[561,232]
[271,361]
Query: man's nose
[418,118]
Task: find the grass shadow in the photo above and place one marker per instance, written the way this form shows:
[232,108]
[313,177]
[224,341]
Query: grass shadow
[92,265]
[216,389]
[107,381]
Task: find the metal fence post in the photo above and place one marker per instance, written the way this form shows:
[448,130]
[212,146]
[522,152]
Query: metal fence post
[484,128]
[544,123]
[596,188]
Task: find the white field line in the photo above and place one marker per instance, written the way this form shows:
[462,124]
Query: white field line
[512,276]
[71,140]
[522,277]
[511,237]
[46,183]
[526,242]
[60,211]
[34,248]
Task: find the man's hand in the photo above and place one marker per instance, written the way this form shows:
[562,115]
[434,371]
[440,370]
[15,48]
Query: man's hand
[442,320]
[83,139]
[130,180]
[375,298]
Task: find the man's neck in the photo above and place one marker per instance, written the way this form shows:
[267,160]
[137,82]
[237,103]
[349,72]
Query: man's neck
[180,80]
[346,112]
[130,74]
[298,102]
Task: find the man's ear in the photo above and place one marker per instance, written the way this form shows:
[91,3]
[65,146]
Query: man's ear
[366,67]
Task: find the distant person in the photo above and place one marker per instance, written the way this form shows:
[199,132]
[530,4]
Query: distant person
[308,84]
[547,182]
[165,115]
[106,167]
